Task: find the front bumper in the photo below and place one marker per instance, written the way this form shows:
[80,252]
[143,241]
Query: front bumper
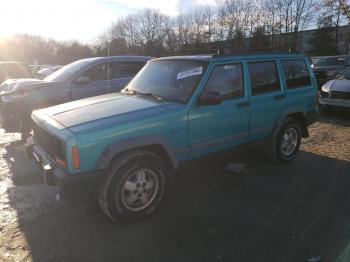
[335,102]
[77,184]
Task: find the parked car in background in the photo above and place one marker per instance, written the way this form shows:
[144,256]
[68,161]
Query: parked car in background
[314,60]
[43,73]
[10,70]
[125,146]
[80,79]
[36,68]
[336,93]
[328,67]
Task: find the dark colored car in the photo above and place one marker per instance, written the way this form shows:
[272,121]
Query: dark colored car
[9,70]
[81,79]
[328,67]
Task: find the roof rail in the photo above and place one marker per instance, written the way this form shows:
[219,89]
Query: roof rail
[225,52]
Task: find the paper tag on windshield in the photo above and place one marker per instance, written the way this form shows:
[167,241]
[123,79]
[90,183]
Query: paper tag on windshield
[190,72]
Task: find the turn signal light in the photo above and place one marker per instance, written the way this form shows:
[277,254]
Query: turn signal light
[75,157]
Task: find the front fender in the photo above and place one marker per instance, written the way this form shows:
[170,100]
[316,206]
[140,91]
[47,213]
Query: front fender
[116,148]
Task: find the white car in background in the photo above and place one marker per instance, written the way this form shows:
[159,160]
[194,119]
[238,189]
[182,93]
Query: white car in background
[336,92]
[47,71]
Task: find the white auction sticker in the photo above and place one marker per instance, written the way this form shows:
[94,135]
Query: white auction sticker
[190,72]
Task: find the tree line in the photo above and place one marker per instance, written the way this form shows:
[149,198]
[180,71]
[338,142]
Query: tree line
[234,24]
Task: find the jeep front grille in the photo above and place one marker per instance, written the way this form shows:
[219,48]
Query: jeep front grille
[339,95]
[50,144]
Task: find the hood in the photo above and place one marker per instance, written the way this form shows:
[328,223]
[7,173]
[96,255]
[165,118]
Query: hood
[337,85]
[105,110]
[13,85]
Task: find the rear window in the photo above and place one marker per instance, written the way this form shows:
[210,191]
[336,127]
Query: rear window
[296,73]
[264,77]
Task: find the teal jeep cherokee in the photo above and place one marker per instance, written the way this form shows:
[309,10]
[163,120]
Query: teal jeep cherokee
[124,147]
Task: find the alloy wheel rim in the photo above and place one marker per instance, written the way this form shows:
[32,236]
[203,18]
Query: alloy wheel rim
[140,189]
[289,141]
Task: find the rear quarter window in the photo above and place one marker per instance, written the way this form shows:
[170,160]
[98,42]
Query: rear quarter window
[296,73]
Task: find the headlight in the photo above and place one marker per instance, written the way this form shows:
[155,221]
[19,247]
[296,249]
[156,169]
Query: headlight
[14,96]
[11,97]
[325,88]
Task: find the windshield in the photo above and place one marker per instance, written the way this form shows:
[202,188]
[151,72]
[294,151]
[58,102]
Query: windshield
[67,71]
[331,61]
[173,80]
[345,75]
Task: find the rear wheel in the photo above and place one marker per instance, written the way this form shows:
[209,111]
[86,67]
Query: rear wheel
[285,146]
[134,186]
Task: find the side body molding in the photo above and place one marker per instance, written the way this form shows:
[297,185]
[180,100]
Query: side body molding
[133,143]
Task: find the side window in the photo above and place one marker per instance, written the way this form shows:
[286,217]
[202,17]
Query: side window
[227,80]
[126,69]
[296,73]
[97,73]
[264,77]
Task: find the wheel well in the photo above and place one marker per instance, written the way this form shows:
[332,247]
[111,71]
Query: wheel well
[161,152]
[301,119]
[153,148]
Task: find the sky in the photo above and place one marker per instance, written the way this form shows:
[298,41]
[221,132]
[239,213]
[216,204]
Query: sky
[81,20]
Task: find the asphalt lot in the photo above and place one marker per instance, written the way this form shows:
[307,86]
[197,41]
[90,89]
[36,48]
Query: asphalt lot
[288,212]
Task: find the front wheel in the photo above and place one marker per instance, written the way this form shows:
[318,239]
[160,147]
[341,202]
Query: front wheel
[133,187]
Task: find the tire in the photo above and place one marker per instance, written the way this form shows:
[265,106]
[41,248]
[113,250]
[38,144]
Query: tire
[134,186]
[285,146]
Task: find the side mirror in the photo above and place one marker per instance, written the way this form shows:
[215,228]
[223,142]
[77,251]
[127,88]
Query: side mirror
[82,80]
[210,98]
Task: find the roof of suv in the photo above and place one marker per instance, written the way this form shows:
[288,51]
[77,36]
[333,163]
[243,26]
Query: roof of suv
[117,58]
[211,57]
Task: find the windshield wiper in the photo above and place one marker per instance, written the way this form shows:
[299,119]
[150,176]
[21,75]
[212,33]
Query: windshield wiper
[149,94]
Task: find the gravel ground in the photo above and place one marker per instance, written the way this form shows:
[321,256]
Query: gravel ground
[288,212]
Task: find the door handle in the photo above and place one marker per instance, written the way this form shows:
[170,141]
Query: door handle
[244,104]
[280,97]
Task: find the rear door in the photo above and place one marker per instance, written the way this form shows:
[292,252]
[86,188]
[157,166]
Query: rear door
[216,127]
[268,97]
[300,91]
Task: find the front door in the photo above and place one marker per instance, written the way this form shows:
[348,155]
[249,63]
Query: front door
[96,83]
[216,127]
